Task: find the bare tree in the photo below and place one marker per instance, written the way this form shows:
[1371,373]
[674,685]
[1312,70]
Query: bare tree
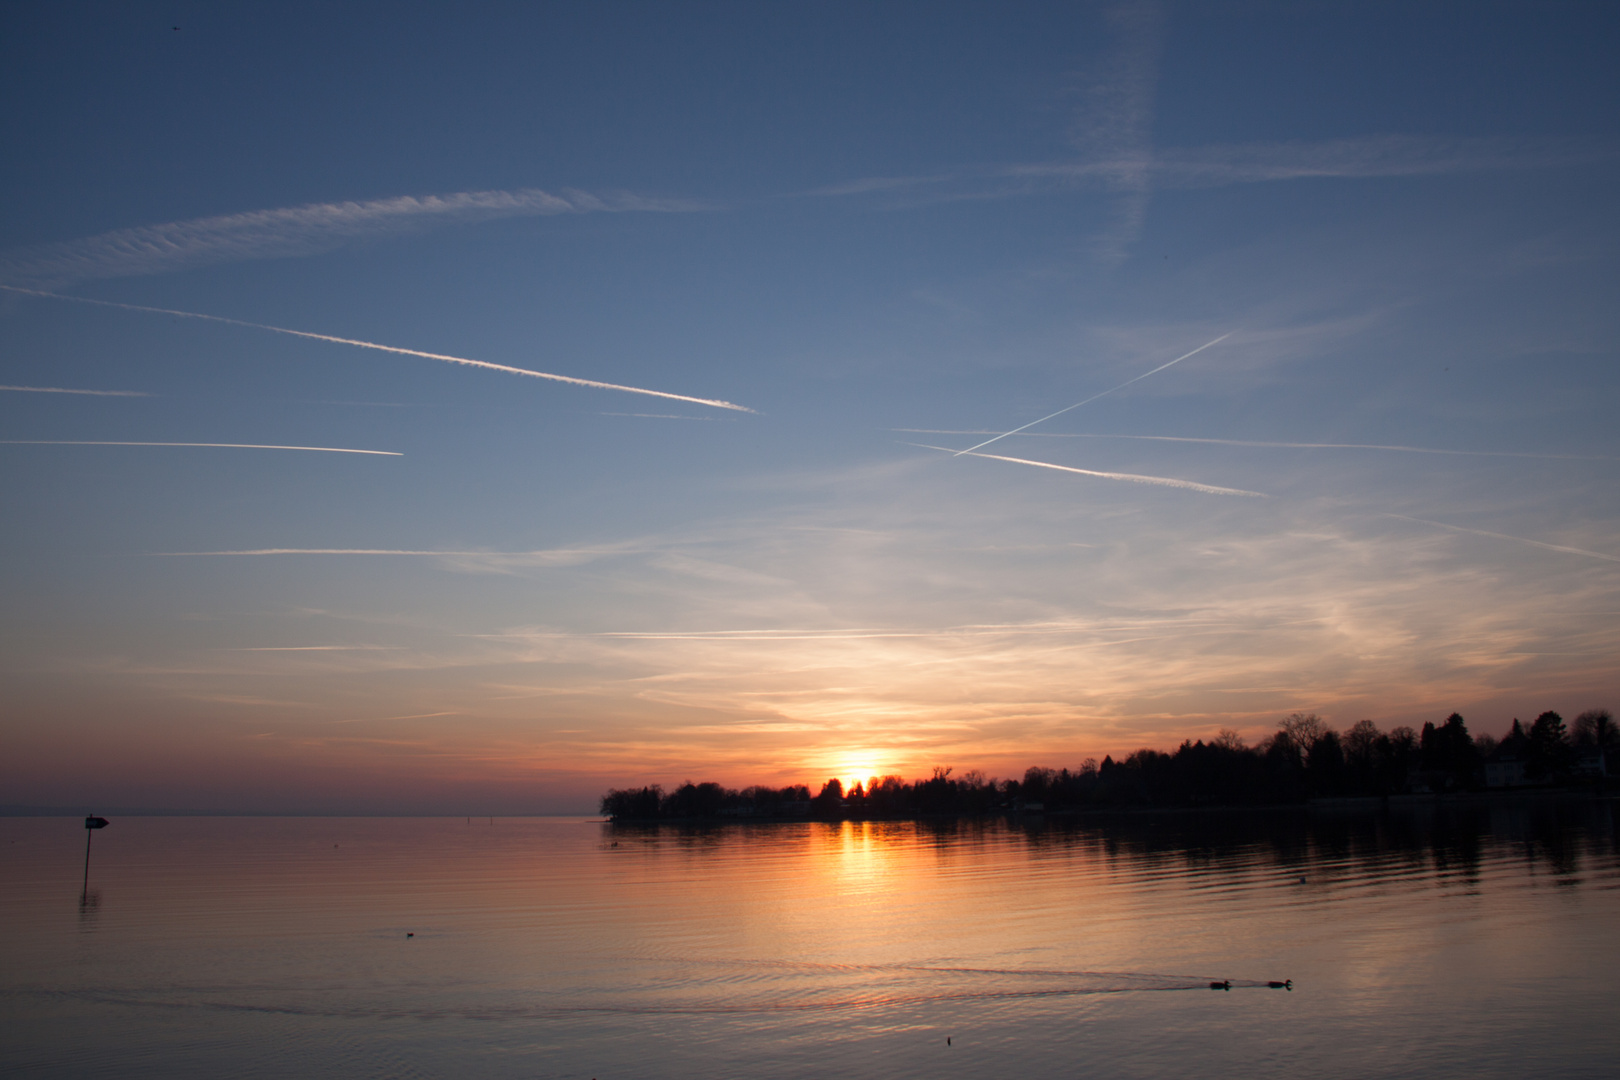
[1594,729]
[1303,729]
[1360,742]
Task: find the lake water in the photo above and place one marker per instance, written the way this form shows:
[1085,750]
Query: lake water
[1478,941]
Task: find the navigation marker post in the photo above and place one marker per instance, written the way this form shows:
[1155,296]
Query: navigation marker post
[91,824]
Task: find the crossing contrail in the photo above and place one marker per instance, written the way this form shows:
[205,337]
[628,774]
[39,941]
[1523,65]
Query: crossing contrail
[1135,478]
[1505,536]
[1272,445]
[1094,397]
[221,445]
[386,348]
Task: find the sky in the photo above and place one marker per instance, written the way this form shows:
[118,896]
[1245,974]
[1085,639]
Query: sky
[467,408]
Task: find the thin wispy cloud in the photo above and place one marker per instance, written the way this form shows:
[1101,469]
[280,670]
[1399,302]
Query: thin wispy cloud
[462,360]
[296,231]
[1161,481]
[316,648]
[1263,444]
[972,630]
[1138,174]
[1516,539]
[1115,119]
[1361,158]
[212,445]
[1094,397]
[71,390]
[348,551]
[473,561]
[658,416]
[407,716]
[875,184]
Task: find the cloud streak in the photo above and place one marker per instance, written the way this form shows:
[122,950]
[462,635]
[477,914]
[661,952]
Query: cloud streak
[1134,478]
[1515,539]
[343,551]
[972,630]
[1115,121]
[67,390]
[1094,397]
[216,445]
[295,231]
[657,416]
[317,648]
[1137,172]
[1366,158]
[539,557]
[462,360]
[1267,445]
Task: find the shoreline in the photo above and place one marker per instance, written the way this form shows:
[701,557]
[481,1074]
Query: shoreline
[1369,804]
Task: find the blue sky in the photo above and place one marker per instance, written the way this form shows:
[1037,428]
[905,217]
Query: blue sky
[1387,492]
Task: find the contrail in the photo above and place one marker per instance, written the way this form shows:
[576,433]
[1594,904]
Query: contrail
[221,445]
[368,551]
[1094,397]
[386,348]
[65,390]
[1504,536]
[1162,481]
[317,648]
[1273,445]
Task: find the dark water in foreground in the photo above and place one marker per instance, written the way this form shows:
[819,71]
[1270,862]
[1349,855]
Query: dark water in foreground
[1476,941]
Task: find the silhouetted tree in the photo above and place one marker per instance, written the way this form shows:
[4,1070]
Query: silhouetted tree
[1550,752]
[695,800]
[1305,758]
[1324,765]
[1036,782]
[1450,760]
[1594,730]
[633,802]
[829,801]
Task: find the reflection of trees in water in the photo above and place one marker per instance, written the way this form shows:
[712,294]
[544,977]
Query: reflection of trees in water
[1451,839]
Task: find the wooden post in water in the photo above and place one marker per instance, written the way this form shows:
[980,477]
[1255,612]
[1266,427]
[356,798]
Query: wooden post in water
[91,824]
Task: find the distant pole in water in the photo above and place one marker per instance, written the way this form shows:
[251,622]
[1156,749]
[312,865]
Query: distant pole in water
[91,824]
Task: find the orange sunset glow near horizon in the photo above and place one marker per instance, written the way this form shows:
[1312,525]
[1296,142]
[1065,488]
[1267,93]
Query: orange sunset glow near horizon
[762,394]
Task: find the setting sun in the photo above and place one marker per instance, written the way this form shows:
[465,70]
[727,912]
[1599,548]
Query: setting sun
[858,769]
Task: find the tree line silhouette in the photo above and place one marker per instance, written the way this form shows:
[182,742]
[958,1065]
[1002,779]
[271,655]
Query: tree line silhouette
[1305,759]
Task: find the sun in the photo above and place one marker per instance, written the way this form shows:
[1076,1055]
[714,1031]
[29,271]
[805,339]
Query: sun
[858,769]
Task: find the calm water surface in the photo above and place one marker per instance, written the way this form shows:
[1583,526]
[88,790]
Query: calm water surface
[1470,941]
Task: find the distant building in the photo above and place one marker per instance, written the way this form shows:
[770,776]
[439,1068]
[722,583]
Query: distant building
[1592,764]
